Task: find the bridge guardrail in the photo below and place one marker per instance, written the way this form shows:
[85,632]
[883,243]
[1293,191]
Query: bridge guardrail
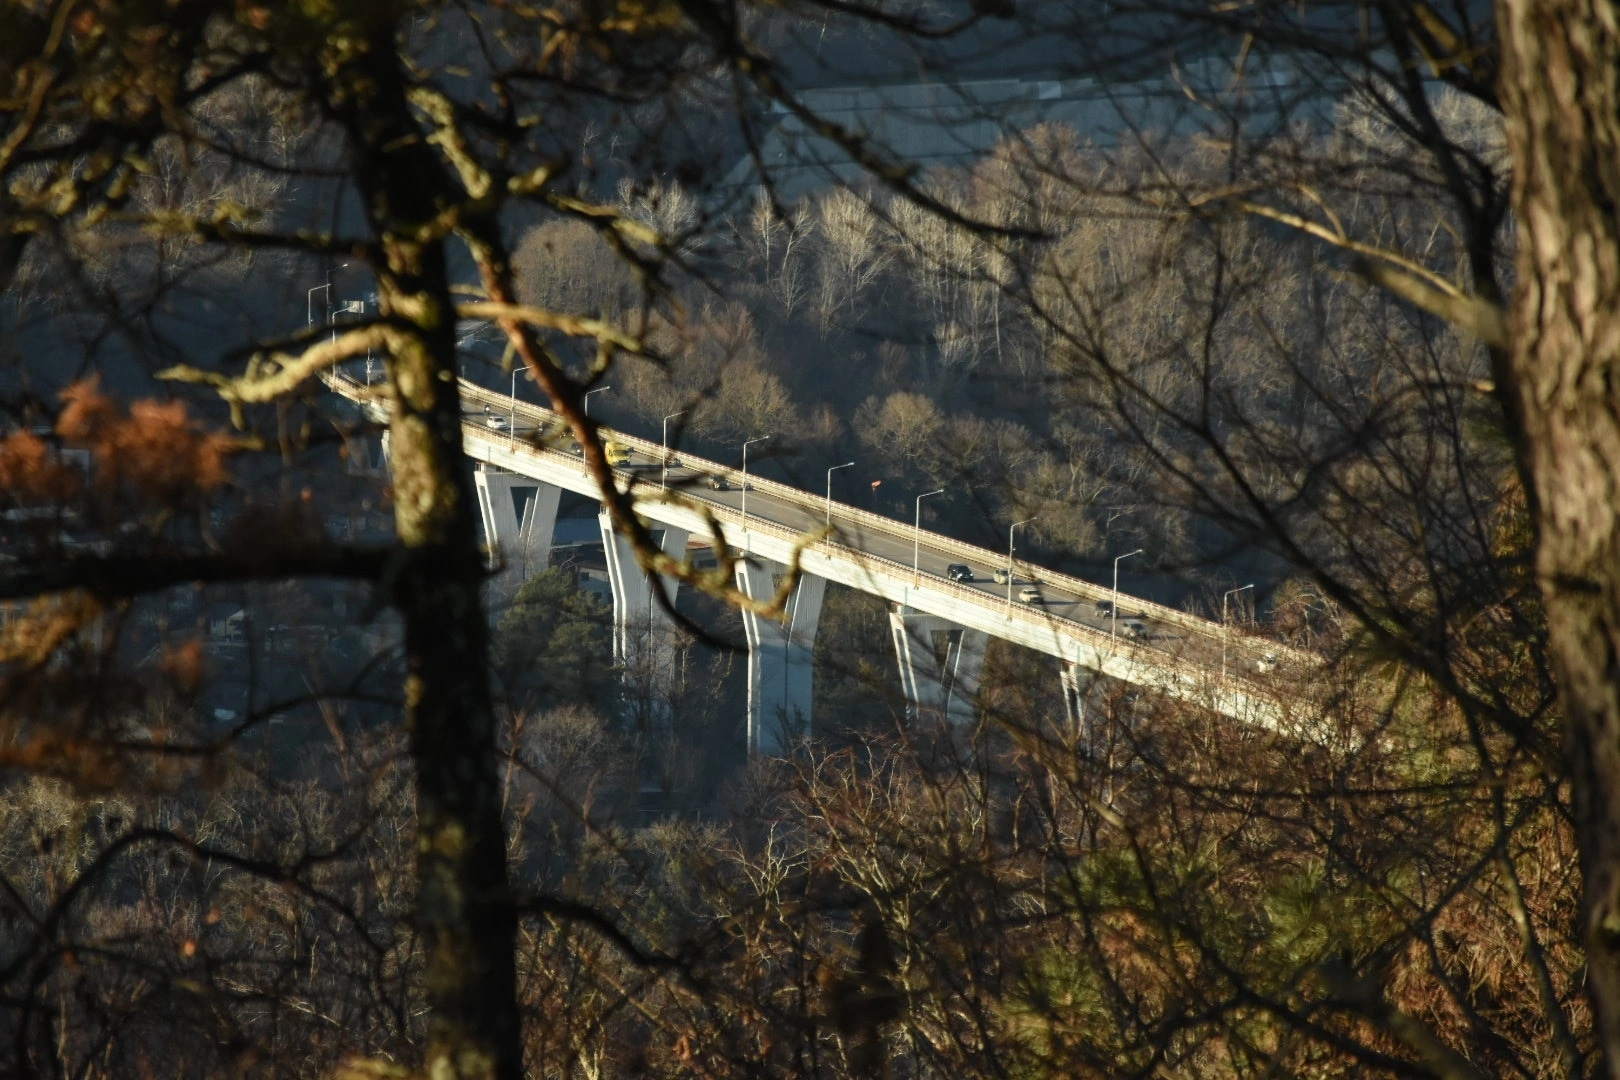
[349,387]
[942,545]
[1171,662]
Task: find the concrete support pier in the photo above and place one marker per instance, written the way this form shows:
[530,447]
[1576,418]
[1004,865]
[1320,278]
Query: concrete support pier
[645,638]
[780,672]
[940,665]
[365,454]
[519,516]
[642,630]
[1077,683]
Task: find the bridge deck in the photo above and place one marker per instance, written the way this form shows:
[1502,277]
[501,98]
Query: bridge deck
[1182,655]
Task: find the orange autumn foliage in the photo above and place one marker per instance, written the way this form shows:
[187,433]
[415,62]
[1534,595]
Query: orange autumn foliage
[184,663]
[155,452]
[33,631]
[32,474]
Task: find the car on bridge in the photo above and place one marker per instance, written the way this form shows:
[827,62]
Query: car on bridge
[1003,574]
[959,572]
[717,483]
[1104,609]
[616,452]
[499,423]
[1029,594]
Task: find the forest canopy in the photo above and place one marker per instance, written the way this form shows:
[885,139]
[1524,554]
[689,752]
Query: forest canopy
[297,781]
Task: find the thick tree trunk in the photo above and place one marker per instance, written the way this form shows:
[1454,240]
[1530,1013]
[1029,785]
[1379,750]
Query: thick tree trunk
[1561,60]
[465,914]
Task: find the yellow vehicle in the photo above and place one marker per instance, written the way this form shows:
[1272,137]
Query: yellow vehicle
[617,453]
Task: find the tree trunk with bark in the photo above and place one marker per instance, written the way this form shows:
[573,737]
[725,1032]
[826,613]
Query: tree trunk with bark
[1561,63]
[465,914]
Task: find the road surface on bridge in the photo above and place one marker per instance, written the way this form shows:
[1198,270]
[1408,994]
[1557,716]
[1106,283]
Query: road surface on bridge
[1194,657]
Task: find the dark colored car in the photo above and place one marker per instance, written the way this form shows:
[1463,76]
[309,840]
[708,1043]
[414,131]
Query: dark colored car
[718,483]
[959,572]
[1104,608]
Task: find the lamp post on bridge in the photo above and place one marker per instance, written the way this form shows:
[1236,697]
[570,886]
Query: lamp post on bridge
[663,444]
[329,313]
[830,471]
[345,307]
[309,305]
[588,393]
[1113,611]
[376,305]
[746,445]
[916,537]
[1225,633]
[511,426]
[1010,530]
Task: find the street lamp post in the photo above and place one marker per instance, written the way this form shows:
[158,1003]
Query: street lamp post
[746,445]
[588,393]
[830,471]
[1010,530]
[511,424]
[368,347]
[309,304]
[346,307]
[663,476]
[1113,611]
[916,536]
[1224,631]
[328,287]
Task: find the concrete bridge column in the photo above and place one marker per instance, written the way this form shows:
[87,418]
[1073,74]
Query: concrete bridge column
[964,665]
[519,516]
[359,458]
[940,665]
[645,638]
[1077,683]
[780,658]
[637,616]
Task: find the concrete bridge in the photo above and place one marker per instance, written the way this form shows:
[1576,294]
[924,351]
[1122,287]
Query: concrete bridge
[940,626]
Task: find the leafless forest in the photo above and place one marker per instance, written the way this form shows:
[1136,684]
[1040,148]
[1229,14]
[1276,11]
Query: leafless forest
[1313,294]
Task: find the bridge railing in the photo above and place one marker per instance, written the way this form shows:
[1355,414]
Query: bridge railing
[939,544]
[936,543]
[1168,660]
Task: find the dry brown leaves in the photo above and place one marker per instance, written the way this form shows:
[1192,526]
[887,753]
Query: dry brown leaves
[155,453]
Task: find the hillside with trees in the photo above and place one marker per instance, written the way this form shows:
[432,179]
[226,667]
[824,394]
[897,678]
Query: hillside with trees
[1317,295]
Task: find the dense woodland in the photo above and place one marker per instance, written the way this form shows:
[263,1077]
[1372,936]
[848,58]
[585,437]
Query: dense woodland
[284,798]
